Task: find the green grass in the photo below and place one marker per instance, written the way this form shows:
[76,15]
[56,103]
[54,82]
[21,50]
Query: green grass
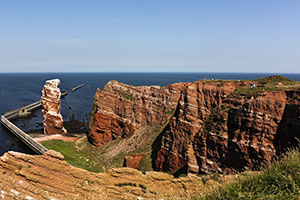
[82,158]
[146,163]
[272,80]
[129,97]
[84,155]
[266,84]
[248,92]
[281,180]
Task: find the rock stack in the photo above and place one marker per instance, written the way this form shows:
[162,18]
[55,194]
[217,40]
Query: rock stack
[52,119]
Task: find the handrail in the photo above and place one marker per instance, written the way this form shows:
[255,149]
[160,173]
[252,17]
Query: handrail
[31,143]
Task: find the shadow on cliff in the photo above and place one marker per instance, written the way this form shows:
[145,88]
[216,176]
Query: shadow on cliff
[288,131]
[240,157]
[157,144]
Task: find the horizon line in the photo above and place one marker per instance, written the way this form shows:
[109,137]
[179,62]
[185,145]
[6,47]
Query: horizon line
[164,72]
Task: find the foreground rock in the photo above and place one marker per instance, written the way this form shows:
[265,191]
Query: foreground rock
[48,176]
[52,119]
[204,127]
[133,161]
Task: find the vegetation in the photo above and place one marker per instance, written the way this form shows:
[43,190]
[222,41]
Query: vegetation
[129,97]
[280,181]
[216,117]
[146,163]
[270,83]
[213,176]
[83,158]
[84,155]
[273,80]
[169,112]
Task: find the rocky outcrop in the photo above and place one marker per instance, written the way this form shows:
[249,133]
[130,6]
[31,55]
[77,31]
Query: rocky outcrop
[48,176]
[133,161]
[227,134]
[192,114]
[120,109]
[52,119]
[205,127]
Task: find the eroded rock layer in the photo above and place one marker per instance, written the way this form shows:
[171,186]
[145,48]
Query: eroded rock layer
[48,176]
[206,128]
[52,119]
[120,109]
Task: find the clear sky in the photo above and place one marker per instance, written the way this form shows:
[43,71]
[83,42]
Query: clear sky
[150,36]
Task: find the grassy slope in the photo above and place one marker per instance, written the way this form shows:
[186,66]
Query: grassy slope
[98,159]
[280,181]
[270,83]
[84,158]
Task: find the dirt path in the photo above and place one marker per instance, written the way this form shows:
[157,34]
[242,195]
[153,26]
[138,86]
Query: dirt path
[42,138]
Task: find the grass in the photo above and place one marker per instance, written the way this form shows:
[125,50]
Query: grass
[129,97]
[83,158]
[272,80]
[270,83]
[281,180]
[146,163]
[213,122]
[84,155]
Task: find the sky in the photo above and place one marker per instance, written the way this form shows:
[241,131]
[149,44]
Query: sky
[150,36]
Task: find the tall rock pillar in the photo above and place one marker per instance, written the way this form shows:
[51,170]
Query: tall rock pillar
[52,119]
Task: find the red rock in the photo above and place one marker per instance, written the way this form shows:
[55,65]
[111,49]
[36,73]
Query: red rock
[120,109]
[133,161]
[52,119]
[49,176]
[107,128]
[205,129]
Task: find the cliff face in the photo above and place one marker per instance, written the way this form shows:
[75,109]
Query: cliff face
[52,119]
[206,129]
[212,132]
[120,109]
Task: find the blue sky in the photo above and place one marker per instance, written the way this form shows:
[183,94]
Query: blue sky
[150,36]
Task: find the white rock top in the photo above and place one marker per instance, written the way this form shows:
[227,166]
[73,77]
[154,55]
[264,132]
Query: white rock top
[53,82]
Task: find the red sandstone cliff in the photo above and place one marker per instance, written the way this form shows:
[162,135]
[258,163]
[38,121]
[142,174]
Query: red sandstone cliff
[52,119]
[120,109]
[205,129]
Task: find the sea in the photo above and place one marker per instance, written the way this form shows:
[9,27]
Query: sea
[19,89]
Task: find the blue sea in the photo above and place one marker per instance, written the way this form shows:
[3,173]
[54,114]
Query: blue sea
[19,89]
